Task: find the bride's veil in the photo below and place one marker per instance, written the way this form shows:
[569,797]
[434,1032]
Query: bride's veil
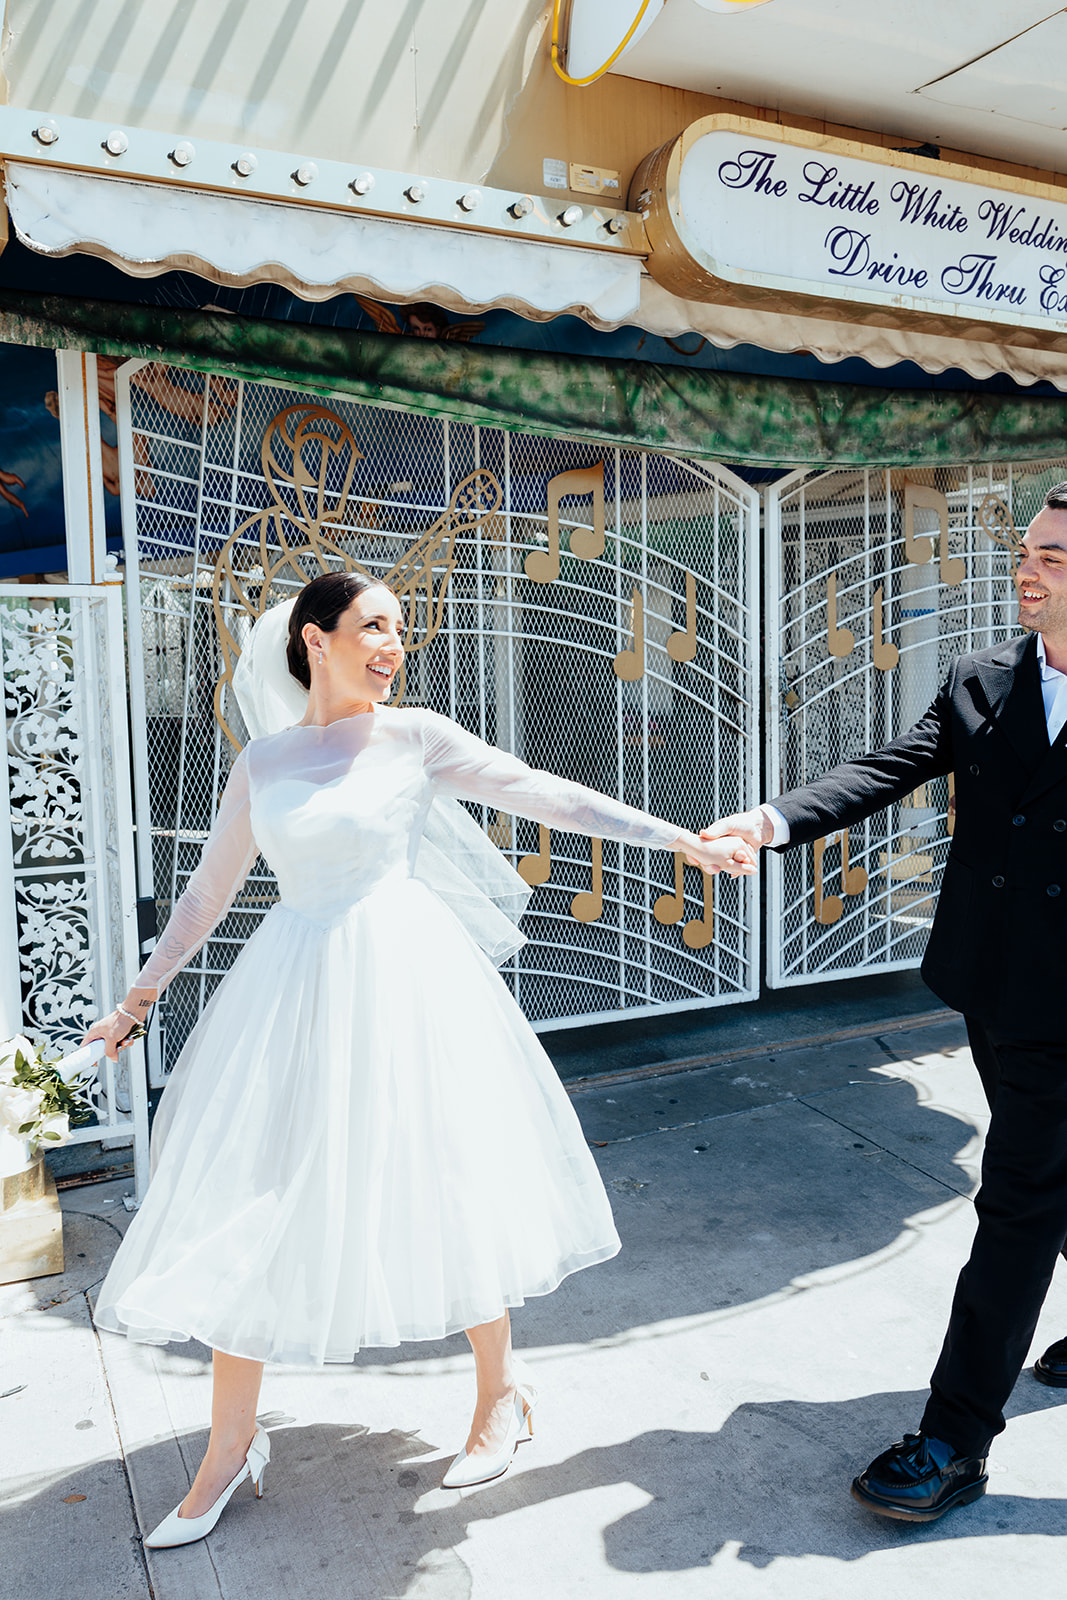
[455,858]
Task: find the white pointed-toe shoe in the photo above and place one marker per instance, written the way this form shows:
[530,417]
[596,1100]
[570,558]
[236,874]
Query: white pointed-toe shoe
[175,1530]
[466,1470]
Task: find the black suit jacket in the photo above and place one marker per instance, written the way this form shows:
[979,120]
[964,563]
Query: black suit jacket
[998,947]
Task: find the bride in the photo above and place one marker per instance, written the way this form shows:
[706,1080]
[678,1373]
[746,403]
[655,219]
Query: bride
[362,1141]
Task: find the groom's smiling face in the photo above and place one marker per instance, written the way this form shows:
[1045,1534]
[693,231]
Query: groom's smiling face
[1041,579]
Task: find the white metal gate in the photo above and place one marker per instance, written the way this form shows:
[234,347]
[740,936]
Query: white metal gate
[875,581]
[68,939]
[592,610]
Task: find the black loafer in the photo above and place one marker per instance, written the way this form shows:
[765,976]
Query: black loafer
[919,1479]
[1051,1368]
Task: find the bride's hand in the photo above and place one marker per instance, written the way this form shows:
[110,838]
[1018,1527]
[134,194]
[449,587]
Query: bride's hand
[728,854]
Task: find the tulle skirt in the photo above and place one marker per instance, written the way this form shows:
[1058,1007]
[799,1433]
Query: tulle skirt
[362,1142]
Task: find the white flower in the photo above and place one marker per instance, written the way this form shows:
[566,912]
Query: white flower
[18,1106]
[8,1051]
[55,1130]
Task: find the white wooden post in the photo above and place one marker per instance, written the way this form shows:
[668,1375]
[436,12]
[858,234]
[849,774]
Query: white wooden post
[83,471]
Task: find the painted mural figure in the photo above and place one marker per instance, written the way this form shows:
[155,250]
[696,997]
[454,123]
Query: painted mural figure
[998,729]
[363,1141]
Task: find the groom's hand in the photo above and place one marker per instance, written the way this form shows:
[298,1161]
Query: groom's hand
[754,826]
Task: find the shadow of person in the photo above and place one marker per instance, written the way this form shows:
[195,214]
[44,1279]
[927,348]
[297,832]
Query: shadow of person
[363,1512]
[772,1483]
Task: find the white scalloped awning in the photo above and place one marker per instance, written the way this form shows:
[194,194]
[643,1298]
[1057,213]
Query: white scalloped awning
[147,229]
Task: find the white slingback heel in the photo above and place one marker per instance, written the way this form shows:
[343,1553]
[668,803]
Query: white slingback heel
[466,1470]
[175,1530]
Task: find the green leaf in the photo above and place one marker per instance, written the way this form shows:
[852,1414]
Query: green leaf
[26,1126]
[50,1136]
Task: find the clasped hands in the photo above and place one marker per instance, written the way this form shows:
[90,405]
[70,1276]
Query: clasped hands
[729,845]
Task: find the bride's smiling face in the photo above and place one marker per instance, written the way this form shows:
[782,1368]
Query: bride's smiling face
[362,655]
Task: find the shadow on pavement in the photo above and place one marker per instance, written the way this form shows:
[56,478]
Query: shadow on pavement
[364,1511]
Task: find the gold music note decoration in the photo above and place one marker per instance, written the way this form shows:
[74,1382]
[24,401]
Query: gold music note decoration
[589,905]
[918,548]
[308,458]
[839,641]
[670,908]
[698,934]
[829,907]
[998,522]
[630,664]
[538,868]
[542,566]
[500,831]
[886,655]
[683,646]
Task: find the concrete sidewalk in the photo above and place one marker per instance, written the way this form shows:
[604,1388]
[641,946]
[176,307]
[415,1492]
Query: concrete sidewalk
[792,1229]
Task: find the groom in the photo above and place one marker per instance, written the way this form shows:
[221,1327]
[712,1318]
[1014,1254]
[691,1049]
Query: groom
[998,953]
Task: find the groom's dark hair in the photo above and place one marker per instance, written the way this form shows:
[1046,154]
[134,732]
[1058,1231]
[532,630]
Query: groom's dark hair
[1056,499]
[324,600]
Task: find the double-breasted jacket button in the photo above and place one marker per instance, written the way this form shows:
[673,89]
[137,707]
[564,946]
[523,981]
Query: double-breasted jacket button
[1053,890]
[1018,821]
[974,769]
[998,881]
[1059,825]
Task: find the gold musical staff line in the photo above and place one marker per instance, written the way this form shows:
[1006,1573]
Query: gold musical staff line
[542,566]
[683,646]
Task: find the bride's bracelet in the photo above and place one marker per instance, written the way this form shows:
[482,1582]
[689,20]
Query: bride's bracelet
[123,1012]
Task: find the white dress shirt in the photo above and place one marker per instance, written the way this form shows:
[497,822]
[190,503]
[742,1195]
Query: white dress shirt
[1053,694]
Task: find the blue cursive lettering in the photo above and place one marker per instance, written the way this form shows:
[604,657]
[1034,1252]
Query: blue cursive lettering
[852,251]
[973,275]
[919,204]
[824,190]
[753,169]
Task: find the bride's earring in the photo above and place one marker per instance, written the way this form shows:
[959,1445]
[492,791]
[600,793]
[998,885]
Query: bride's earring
[320,658]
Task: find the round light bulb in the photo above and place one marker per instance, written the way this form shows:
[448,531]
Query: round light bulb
[471,199]
[116,143]
[415,193]
[306,173]
[363,183]
[46,132]
[616,223]
[246,164]
[521,207]
[572,215]
[183,153]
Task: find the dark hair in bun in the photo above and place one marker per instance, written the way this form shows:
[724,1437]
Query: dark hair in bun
[324,600]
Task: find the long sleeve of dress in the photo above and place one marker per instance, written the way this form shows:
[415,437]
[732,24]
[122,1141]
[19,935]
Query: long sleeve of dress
[465,766]
[225,863]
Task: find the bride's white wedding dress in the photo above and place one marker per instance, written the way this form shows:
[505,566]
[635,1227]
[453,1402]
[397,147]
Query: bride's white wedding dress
[363,1141]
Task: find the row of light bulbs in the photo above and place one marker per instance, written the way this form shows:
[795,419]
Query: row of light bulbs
[117,144]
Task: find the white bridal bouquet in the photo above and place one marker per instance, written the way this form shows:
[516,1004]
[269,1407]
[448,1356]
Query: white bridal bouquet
[37,1105]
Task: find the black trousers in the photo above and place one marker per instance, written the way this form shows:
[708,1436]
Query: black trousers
[1022,1226]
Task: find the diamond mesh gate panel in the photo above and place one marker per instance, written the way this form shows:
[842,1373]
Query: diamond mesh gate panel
[629,667]
[876,580]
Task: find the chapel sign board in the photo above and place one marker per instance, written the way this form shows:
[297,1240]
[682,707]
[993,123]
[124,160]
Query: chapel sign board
[746,212]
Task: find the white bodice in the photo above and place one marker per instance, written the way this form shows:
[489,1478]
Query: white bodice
[339,811]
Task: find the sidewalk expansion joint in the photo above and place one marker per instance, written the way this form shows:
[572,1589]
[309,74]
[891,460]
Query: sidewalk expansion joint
[962,1194]
[135,1537]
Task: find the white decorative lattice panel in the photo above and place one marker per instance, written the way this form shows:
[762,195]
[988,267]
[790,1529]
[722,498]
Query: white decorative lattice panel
[592,610]
[66,813]
[876,580]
